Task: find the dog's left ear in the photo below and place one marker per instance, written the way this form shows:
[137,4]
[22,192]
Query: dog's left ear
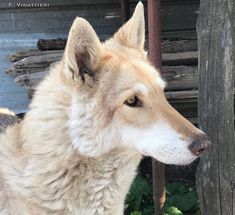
[132,33]
[83,51]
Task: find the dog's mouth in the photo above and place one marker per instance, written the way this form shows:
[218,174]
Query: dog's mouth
[179,153]
[177,160]
[199,144]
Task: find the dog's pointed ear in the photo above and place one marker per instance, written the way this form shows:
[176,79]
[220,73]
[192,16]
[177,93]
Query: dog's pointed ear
[83,51]
[132,33]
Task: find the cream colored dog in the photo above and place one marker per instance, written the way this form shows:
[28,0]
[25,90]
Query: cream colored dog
[93,117]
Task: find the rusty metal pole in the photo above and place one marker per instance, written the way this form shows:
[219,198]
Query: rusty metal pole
[155,56]
[154,33]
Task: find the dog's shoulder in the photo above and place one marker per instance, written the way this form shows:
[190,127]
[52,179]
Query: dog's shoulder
[7,119]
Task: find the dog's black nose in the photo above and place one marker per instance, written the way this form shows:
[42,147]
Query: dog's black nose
[199,144]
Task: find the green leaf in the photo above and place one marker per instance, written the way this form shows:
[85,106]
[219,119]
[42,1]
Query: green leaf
[176,188]
[136,213]
[182,197]
[198,212]
[148,210]
[186,202]
[140,195]
[173,211]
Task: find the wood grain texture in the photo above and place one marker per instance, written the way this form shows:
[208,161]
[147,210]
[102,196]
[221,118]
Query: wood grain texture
[33,64]
[169,46]
[52,44]
[39,62]
[216,172]
[19,55]
[180,77]
[180,58]
[104,15]
[177,77]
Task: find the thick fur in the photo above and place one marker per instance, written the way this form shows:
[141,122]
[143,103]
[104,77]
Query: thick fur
[78,147]
[7,118]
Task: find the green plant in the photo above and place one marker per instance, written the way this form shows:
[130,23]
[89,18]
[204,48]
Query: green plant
[172,211]
[181,199]
[139,199]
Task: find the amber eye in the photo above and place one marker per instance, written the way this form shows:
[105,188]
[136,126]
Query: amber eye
[133,101]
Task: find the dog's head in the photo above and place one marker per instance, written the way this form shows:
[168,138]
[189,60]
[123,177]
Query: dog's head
[118,97]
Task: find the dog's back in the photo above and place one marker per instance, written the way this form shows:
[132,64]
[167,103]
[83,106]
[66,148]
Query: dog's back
[7,118]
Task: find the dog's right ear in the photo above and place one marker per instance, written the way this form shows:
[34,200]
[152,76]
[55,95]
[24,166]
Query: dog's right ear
[132,33]
[83,51]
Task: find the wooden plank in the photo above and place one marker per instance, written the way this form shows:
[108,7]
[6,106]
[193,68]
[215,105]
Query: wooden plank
[52,44]
[216,172]
[33,64]
[179,18]
[104,15]
[175,15]
[185,94]
[174,46]
[103,19]
[39,63]
[181,58]
[30,80]
[180,77]
[19,55]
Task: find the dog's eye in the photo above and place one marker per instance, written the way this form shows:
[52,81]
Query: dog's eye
[133,101]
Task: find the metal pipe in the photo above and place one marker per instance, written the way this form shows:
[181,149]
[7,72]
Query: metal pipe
[155,56]
[154,33]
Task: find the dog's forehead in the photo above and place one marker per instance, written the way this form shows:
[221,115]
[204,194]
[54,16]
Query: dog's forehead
[126,72]
[145,74]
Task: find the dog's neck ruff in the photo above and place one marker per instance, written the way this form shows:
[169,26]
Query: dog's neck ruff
[56,176]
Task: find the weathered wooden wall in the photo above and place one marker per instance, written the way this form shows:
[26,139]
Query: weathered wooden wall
[178,16]
[216,173]
[58,16]
[20,27]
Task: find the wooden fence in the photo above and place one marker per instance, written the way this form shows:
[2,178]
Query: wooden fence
[216,175]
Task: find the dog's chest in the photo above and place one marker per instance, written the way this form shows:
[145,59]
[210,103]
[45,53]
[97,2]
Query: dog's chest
[87,187]
[103,191]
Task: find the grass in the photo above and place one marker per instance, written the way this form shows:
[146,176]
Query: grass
[181,199]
